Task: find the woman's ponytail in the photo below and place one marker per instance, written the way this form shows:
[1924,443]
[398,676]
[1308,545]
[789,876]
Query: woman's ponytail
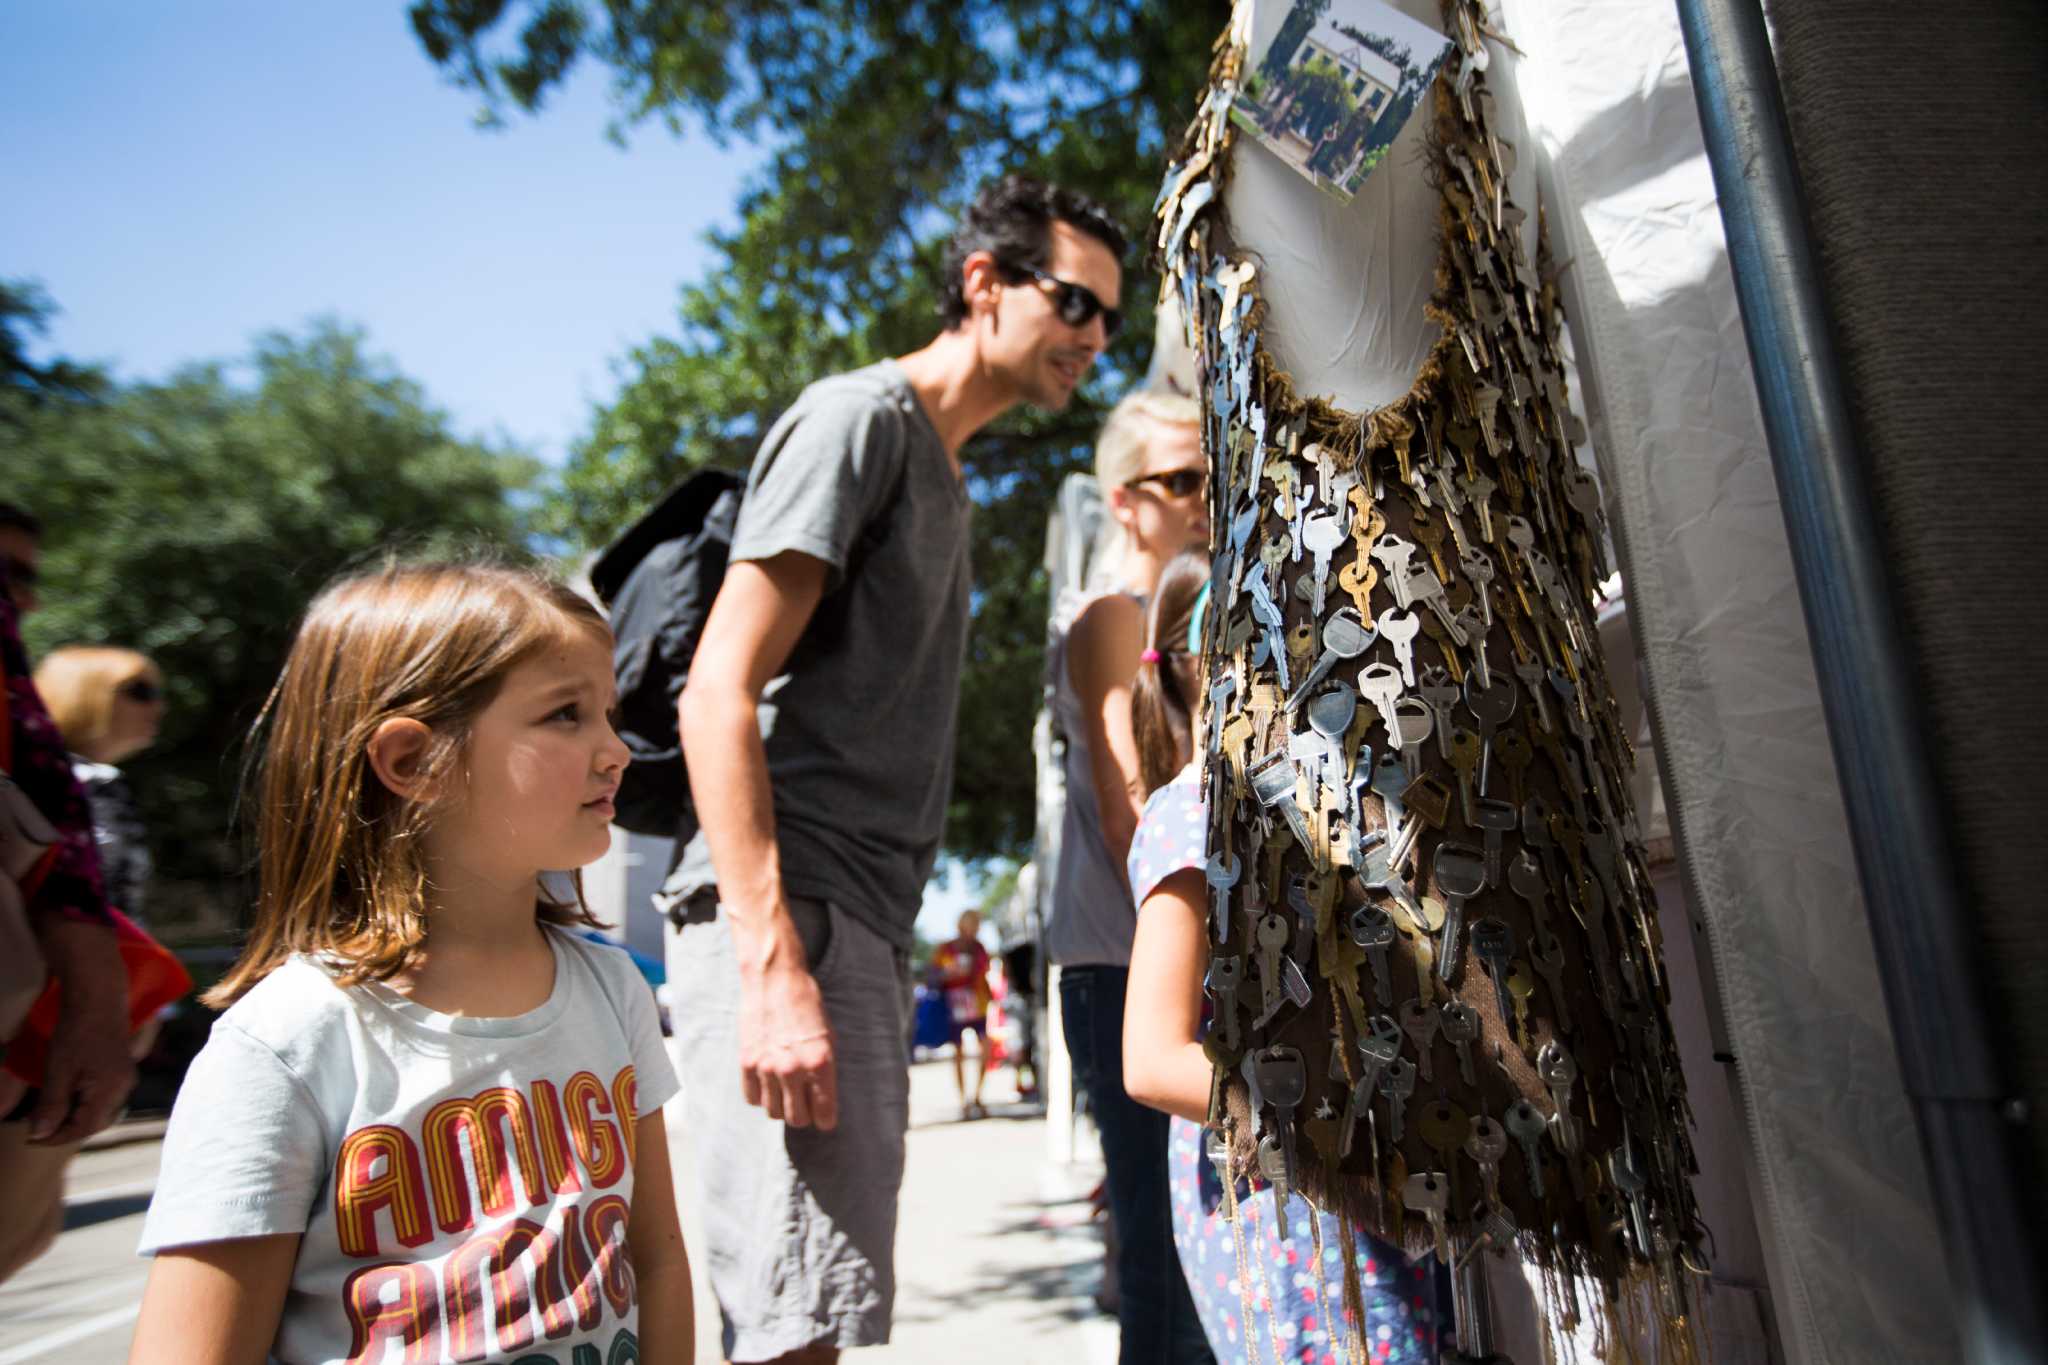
[1169,674]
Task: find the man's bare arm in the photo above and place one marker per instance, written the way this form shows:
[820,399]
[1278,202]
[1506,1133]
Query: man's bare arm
[785,1042]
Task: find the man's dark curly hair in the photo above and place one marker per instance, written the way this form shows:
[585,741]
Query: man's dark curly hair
[1012,219]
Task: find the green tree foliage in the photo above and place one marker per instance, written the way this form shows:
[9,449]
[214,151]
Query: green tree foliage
[877,119]
[192,519]
[24,312]
[1294,29]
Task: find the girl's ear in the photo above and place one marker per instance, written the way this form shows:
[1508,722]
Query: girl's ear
[1119,501]
[398,753]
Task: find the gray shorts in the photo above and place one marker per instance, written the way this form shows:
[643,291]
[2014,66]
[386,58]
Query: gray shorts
[800,1225]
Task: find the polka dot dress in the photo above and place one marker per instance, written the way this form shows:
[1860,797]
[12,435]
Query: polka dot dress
[1286,1305]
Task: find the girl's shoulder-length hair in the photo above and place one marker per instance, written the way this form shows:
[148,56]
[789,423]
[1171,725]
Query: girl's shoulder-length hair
[341,869]
[78,684]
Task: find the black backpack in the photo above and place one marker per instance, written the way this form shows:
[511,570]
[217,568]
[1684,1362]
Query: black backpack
[659,580]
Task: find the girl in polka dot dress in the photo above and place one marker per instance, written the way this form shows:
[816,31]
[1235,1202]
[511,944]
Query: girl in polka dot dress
[1281,1301]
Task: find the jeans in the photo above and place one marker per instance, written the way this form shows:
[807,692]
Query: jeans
[1157,1321]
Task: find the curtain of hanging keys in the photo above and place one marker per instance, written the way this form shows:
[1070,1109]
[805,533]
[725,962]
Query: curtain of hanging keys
[1431,911]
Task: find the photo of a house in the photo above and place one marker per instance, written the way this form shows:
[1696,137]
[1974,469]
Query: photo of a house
[1335,85]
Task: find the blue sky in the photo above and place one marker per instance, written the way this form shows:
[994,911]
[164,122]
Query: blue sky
[183,176]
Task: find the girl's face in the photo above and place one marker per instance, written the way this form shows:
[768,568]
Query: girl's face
[542,765]
[1165,506]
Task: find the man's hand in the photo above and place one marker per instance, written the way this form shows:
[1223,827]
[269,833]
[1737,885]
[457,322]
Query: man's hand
[89,1072]
[786,1063]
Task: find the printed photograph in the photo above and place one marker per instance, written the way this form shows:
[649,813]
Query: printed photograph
[1332,84]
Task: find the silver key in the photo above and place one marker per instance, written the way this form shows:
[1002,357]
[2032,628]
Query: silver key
[1478,566]
[1329,715]
[1492,704]
[1479,492]
[1442,694]
[1476,629]
[1427,590]
[1415,723]
[1495,817]
[1558,1070]
[1526,879]
[1429,1194]
[1220,984]
[1399,628]
[1393,554]
[1344,637]
[1525,1124]
[1487,1145]
[1397,1083]
[1380,684]
[1421,1023]
[1461,1028]
[1222,872]
[1460,875]
[1272,781]
[1373,930]
[1322,534]
[1531,674]
[1493,943]
[1377,873]
[1389,781]
[1547,955]
[1625,1167]
[1273,939]
[1378,1049]
[1273,1165]
[1521,535]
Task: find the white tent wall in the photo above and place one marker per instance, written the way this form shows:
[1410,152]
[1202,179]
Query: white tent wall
[1849,1235]
[1847,1238]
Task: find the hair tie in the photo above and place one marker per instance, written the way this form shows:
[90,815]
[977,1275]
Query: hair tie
[1150,656]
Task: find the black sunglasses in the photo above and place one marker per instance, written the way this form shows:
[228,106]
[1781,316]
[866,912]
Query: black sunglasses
[1075,303]
[1178,483]
[140,690]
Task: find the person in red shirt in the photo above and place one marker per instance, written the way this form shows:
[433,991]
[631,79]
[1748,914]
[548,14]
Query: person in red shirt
[962,969]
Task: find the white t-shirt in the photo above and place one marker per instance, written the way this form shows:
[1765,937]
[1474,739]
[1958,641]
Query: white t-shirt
[461,1185]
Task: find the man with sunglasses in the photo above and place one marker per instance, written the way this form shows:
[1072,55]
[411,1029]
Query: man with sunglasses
[817,728]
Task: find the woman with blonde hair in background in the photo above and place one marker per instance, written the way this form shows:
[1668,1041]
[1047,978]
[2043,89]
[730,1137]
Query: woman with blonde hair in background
[107,704]
[1152,474]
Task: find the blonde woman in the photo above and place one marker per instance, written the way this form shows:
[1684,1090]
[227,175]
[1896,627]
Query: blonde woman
[1149,464]
[107,704]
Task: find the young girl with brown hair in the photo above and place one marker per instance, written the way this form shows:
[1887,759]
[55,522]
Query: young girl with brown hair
[430,1118]
[1290,1306]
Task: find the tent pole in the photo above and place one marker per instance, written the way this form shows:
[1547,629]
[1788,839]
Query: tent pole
[1925,941]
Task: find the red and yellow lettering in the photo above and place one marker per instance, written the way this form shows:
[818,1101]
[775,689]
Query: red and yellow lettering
[495,1259]
[554,1139]
[625,1103]
[580,1271]
[597,1140]
[393,1302]
[362,1186]
[606,1220]
[486,1119]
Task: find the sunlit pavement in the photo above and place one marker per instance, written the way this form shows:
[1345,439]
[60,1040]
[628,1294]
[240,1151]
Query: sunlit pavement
[996,1259]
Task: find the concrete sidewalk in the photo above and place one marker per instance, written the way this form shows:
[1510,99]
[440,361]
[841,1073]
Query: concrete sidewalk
[996,1260]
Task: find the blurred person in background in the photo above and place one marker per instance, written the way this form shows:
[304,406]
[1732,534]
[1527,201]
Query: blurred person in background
[59,909]
[107,704]
[1150,467]
[962,968]
[21,554]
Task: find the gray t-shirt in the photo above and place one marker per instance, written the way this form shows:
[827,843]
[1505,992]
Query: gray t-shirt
[460,1185]
[859,728]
